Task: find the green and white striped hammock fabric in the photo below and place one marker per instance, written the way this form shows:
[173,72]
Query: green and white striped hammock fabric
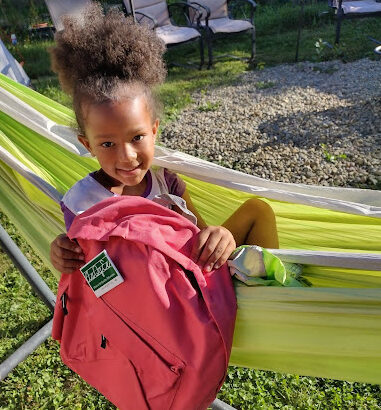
[332,329]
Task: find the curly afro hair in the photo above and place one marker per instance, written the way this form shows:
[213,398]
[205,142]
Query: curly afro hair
[96,56]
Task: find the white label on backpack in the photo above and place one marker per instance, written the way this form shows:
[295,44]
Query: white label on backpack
[101,274]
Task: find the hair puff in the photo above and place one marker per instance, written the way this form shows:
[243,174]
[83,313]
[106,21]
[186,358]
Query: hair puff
[94,45]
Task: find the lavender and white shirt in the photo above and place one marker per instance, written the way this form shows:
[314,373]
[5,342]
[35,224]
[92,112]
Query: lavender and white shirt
[163,187]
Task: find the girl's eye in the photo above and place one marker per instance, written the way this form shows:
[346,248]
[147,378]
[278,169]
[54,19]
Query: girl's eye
[107,144]
[138,138]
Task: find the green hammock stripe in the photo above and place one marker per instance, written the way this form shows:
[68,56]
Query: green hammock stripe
[51,109]
[51,162]
[39,220]
[332,333]
[300,226]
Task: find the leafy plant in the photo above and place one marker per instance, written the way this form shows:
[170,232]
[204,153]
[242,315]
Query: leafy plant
[209,106]
[326,70]
[261,65]
[326,51]
[331,157]
[33,13]
[264,84]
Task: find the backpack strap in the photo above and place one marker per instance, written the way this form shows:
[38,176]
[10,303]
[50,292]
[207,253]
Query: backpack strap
[170,201]
[159,184]
[77,202]
[160,194]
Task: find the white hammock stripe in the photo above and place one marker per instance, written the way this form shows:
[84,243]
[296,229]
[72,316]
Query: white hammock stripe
[368,261]
[337,199]
[31,118]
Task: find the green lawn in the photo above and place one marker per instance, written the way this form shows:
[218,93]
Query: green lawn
[42,381]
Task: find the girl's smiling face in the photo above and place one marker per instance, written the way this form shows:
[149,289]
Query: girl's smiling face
[122,136]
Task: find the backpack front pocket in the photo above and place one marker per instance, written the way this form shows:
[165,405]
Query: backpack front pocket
[157,371]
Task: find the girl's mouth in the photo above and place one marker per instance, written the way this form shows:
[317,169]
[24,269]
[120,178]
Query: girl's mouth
[128,172]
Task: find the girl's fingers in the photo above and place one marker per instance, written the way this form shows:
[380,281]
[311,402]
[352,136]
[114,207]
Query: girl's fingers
[62,247]
[220,250]
[66,255]
[61,253]
[225,256]
[198,245]
[64,242]
[67,266]
[213,249]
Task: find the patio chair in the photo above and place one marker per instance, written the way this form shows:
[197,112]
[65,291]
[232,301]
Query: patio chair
[59,8]
[222,18]
[161,18]
[348,9]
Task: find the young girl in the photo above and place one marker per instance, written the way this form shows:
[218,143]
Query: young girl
[110,65]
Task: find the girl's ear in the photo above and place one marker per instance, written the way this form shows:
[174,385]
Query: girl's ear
[85,142]
[155,127]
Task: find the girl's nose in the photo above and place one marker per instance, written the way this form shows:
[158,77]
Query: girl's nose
[127,152]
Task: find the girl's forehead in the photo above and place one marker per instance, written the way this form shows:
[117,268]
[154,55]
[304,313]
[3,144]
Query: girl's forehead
[137,101]
[127,108]
[109,117]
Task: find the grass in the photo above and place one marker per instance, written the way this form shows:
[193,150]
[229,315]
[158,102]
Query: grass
[262,85]
[209,106]
[42,381]
[35,56]
[255,389]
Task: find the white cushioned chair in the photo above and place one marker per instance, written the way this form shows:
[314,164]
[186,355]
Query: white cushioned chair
[225,17]
[347,9]
[60,8]
[159,16]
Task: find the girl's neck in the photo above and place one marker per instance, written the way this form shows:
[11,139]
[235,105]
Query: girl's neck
[117,188]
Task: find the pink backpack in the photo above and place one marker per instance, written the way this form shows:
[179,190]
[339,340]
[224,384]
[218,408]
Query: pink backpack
[161,339]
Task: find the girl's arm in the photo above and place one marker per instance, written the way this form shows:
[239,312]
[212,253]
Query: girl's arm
[214,244]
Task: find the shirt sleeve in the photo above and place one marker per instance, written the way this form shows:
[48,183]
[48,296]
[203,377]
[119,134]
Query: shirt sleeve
[68,215]
[176,186]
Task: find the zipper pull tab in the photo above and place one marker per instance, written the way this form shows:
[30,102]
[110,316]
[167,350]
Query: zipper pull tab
[63,301]
[103,342]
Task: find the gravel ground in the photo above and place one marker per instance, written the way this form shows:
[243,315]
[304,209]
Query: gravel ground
[312,123]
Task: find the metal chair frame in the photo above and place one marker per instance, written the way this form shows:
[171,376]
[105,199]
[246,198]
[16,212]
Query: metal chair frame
[233,6]
[191,15]
[340,16]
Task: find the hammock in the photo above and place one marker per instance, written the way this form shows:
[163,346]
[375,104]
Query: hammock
[332,329]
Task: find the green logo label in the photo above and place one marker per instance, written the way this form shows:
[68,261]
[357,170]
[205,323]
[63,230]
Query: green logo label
[101,274]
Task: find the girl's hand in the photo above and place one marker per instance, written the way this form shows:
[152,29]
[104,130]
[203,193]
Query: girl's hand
[66,255]
[212,248]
